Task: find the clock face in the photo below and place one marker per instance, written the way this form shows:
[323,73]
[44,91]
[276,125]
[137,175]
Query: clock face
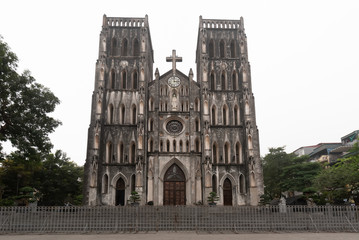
[174,81]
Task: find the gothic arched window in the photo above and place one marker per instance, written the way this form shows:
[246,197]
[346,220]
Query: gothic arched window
[105,184]
[214,115]
[122,116]
[211,48]
[235,81]
[215,153]
[233,49]
[133,153]
[134,114]
[124,79]
[227,152]
[124,48]
[213,81]
[112,79]
[134,80]
[221,49]
[223,81]
[136,47]
[114,47]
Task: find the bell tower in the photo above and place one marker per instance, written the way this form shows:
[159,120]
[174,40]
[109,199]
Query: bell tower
[116,148]
[231,158]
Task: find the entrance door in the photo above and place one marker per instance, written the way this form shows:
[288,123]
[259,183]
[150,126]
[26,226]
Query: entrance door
[120,192]
[174,188]
[227,192]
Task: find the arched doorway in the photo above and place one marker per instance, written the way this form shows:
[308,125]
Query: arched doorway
[174,190]
[227,192]
[120,192]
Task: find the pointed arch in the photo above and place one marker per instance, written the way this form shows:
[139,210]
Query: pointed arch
[124,79]
[122,114]
[214,183]
[213,80]
[105,184]
[214,115]
[133,182]
[168,146]
[174,146]
[161,145]
[187,146]
[113,46]
[223,80]
[197,125]
[150,104]
[222,49]
[134,80]
[236,115]
[150,124]
[150,145]
[211,48]
[112,79]
[180,146]
[133,152]
[120,152]
[227,152]
[227,192]
[215,152]
[124,48]
[233,49]
[110,114]
[235,80]
[109,152]
[136,47]
[197,145]
[239,153]
[134,114]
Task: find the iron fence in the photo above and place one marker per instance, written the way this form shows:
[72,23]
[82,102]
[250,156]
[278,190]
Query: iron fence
[178,218]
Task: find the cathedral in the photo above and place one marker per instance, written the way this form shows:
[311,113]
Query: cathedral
[173,138]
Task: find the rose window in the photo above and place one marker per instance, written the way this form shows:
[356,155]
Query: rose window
[174,126]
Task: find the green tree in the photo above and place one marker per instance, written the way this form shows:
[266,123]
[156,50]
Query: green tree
[286,172]
[61,180]
[24,107]
[273,164]
[341,181]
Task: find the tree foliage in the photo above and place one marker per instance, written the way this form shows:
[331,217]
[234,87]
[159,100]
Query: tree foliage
[25,122]
[56,179]
[286,172]
[24,107]
[341,181]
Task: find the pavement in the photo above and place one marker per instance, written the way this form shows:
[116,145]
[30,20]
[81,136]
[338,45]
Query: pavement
[187,236]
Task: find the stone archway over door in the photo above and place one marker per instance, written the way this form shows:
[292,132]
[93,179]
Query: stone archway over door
[120,192]
[174,188]
[227,192]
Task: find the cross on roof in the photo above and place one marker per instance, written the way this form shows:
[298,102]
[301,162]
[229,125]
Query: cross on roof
[173,59]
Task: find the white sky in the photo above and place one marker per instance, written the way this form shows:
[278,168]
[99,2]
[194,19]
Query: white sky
[303,55]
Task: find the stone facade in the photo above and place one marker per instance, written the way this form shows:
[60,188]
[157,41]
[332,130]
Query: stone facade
[172,139]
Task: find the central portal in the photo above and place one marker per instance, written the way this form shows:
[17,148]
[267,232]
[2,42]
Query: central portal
[174,186]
